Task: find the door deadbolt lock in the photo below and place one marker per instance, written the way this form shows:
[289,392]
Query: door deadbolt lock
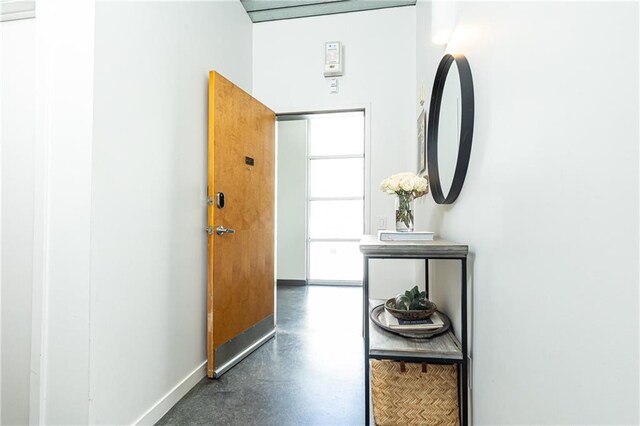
[220,200]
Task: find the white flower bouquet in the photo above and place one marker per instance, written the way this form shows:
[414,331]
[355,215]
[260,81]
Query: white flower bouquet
[403,183]
[408,187]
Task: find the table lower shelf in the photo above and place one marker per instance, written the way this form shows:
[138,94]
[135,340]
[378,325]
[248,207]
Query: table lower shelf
[385,345]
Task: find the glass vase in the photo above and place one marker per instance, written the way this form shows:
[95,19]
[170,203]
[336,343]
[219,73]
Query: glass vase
[404,213]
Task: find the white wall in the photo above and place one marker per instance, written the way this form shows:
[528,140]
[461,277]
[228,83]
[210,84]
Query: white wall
[148,300]
[379,48]
[62,202]
[291,196]
[18,56]
[549,208]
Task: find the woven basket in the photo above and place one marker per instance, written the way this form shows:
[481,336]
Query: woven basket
[404,394]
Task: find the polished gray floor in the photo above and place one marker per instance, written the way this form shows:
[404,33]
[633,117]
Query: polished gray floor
[311,373]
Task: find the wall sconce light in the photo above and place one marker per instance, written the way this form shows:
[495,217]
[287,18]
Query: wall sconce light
[442,21]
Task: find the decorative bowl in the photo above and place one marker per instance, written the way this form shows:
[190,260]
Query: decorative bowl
[410,315]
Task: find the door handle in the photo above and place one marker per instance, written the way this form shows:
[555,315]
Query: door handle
[220,230]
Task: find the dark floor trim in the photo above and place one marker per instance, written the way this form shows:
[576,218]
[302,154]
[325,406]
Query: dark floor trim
[291,282]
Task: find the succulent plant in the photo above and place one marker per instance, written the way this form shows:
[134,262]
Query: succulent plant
[413,299]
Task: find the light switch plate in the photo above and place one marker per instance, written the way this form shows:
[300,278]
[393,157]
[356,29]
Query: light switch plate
[333,85]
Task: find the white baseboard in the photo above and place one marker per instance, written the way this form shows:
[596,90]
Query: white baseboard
[165,403]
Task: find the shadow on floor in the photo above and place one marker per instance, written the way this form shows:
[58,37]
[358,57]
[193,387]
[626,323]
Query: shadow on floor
[311,373]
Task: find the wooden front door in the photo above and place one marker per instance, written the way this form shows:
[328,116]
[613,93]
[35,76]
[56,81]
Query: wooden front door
[241,179]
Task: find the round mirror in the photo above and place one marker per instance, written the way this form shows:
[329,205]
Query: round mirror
[450,128]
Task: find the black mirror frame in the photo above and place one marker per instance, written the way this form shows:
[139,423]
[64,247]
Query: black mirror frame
[466,128]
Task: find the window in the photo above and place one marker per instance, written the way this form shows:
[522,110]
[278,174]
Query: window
[335,197]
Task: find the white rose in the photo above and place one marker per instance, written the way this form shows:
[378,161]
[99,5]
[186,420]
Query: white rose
[406,183]
[394,184]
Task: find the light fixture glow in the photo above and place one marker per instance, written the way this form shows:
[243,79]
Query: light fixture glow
[441,37]
[442,21]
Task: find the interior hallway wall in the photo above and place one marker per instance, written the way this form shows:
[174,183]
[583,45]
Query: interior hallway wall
[549,208]
[62,212]
[148,266]
[379,63]
[291,202]
[18,110]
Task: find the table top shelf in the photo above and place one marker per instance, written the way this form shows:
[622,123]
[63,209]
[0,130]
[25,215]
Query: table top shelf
[371,246]
[383,344]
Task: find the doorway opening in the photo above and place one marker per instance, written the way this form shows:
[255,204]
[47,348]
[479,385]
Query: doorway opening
[320,197]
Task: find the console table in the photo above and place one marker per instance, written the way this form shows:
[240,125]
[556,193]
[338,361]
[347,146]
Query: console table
[444,348]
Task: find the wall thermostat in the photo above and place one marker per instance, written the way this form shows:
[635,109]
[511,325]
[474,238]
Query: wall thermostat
[333,59]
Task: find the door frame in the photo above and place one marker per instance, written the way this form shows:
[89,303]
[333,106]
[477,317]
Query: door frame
[296,113]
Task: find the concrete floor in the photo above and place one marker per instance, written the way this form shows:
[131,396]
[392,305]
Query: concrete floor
[311,373]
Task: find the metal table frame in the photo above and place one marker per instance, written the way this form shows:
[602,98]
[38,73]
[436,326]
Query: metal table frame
[463,366]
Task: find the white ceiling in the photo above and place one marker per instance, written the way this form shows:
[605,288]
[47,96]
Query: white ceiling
[17,9]
[273,10]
